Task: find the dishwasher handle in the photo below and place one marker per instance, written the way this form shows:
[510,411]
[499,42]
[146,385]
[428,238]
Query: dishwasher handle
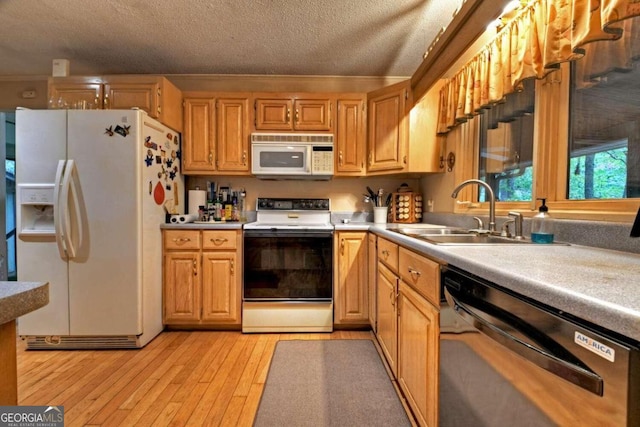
[540,357]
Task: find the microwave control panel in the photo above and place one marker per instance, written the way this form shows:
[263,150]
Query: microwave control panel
[322,160]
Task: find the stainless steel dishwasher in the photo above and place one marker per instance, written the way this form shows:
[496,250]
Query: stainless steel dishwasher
[509,361]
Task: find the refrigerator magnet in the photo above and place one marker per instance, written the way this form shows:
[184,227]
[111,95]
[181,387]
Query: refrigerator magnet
[109,131]
[122,130]
[149,159]
[150,144]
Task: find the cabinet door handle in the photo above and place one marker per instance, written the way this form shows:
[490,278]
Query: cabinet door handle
[232,268]
[244,157]
[342,246]
[340,158]
[195,268]
[96,102]
[297,116]
[392,298]
[218,241]
[288,118]
[105,102]
[210,157]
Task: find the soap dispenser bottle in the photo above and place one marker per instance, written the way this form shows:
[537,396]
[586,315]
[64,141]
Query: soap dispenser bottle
[542,225]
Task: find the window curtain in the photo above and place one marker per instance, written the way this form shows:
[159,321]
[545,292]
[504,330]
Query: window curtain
[543,34]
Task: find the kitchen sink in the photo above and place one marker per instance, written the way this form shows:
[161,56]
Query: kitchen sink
[442,235]
[470,239]
[410,231]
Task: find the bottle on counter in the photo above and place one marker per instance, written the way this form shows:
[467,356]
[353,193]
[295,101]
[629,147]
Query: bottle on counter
[217,216]
[542,225]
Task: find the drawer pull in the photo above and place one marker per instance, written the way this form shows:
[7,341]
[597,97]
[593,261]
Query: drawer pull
[385,253]
[181,240]
[414,273]
[218,241]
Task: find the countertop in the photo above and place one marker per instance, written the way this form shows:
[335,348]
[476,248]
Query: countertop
[220,225]
[19,298]
[598,285]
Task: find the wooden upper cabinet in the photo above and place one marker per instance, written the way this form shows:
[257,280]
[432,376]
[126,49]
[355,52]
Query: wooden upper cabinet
[274,114]
[292,113]
[388,128]
[154,94]
[216,133]
[69,90]
[402,134]
[198,155]
[312,114]
[232,142]
[350,138]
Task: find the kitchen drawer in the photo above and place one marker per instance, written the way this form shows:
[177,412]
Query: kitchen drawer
[421,273]
[219,239]
[388,254]
[182,239]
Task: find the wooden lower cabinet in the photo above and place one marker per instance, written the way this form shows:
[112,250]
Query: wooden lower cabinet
[408,331]
[418,355]
[387,331]
[351,294]
[202,280]
[372,274]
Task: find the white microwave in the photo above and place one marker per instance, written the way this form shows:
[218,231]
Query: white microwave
[292,156]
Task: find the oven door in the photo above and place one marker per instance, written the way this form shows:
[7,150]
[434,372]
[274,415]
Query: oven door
[280,159]
[288,265]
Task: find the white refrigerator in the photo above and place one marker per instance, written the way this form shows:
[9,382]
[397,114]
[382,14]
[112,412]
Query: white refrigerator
[93,188]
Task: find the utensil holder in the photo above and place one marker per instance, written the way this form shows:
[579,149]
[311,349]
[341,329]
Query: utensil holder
[380,214]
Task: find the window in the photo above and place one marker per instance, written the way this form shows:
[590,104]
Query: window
[506,146]
[578,147]
[604,143]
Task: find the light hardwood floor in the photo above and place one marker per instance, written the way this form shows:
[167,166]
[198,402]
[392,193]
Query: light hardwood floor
[180,378]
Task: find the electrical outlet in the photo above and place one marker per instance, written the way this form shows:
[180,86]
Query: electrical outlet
[29,94]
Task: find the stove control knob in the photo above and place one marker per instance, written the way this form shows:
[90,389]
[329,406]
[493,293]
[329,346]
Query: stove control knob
[262,203]
[270,203]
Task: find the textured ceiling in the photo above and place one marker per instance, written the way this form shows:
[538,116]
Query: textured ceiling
[280,37]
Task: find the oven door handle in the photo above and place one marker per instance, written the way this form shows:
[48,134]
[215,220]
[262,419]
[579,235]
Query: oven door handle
[539,356]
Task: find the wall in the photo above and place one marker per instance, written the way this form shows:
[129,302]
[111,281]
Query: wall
[346,194]
[11,93]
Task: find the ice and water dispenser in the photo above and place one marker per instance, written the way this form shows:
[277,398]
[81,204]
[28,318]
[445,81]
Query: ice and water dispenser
[35,202]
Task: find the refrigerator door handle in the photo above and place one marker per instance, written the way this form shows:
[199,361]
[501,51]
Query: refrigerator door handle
[74,187]
[59,209]
[64,201]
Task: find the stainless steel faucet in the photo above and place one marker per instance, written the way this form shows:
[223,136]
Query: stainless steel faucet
[517,221]
[492,200]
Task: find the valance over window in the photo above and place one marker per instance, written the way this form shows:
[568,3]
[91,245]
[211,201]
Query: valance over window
[542,35]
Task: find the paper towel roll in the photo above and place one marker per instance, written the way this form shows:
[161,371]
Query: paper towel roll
[196,198]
